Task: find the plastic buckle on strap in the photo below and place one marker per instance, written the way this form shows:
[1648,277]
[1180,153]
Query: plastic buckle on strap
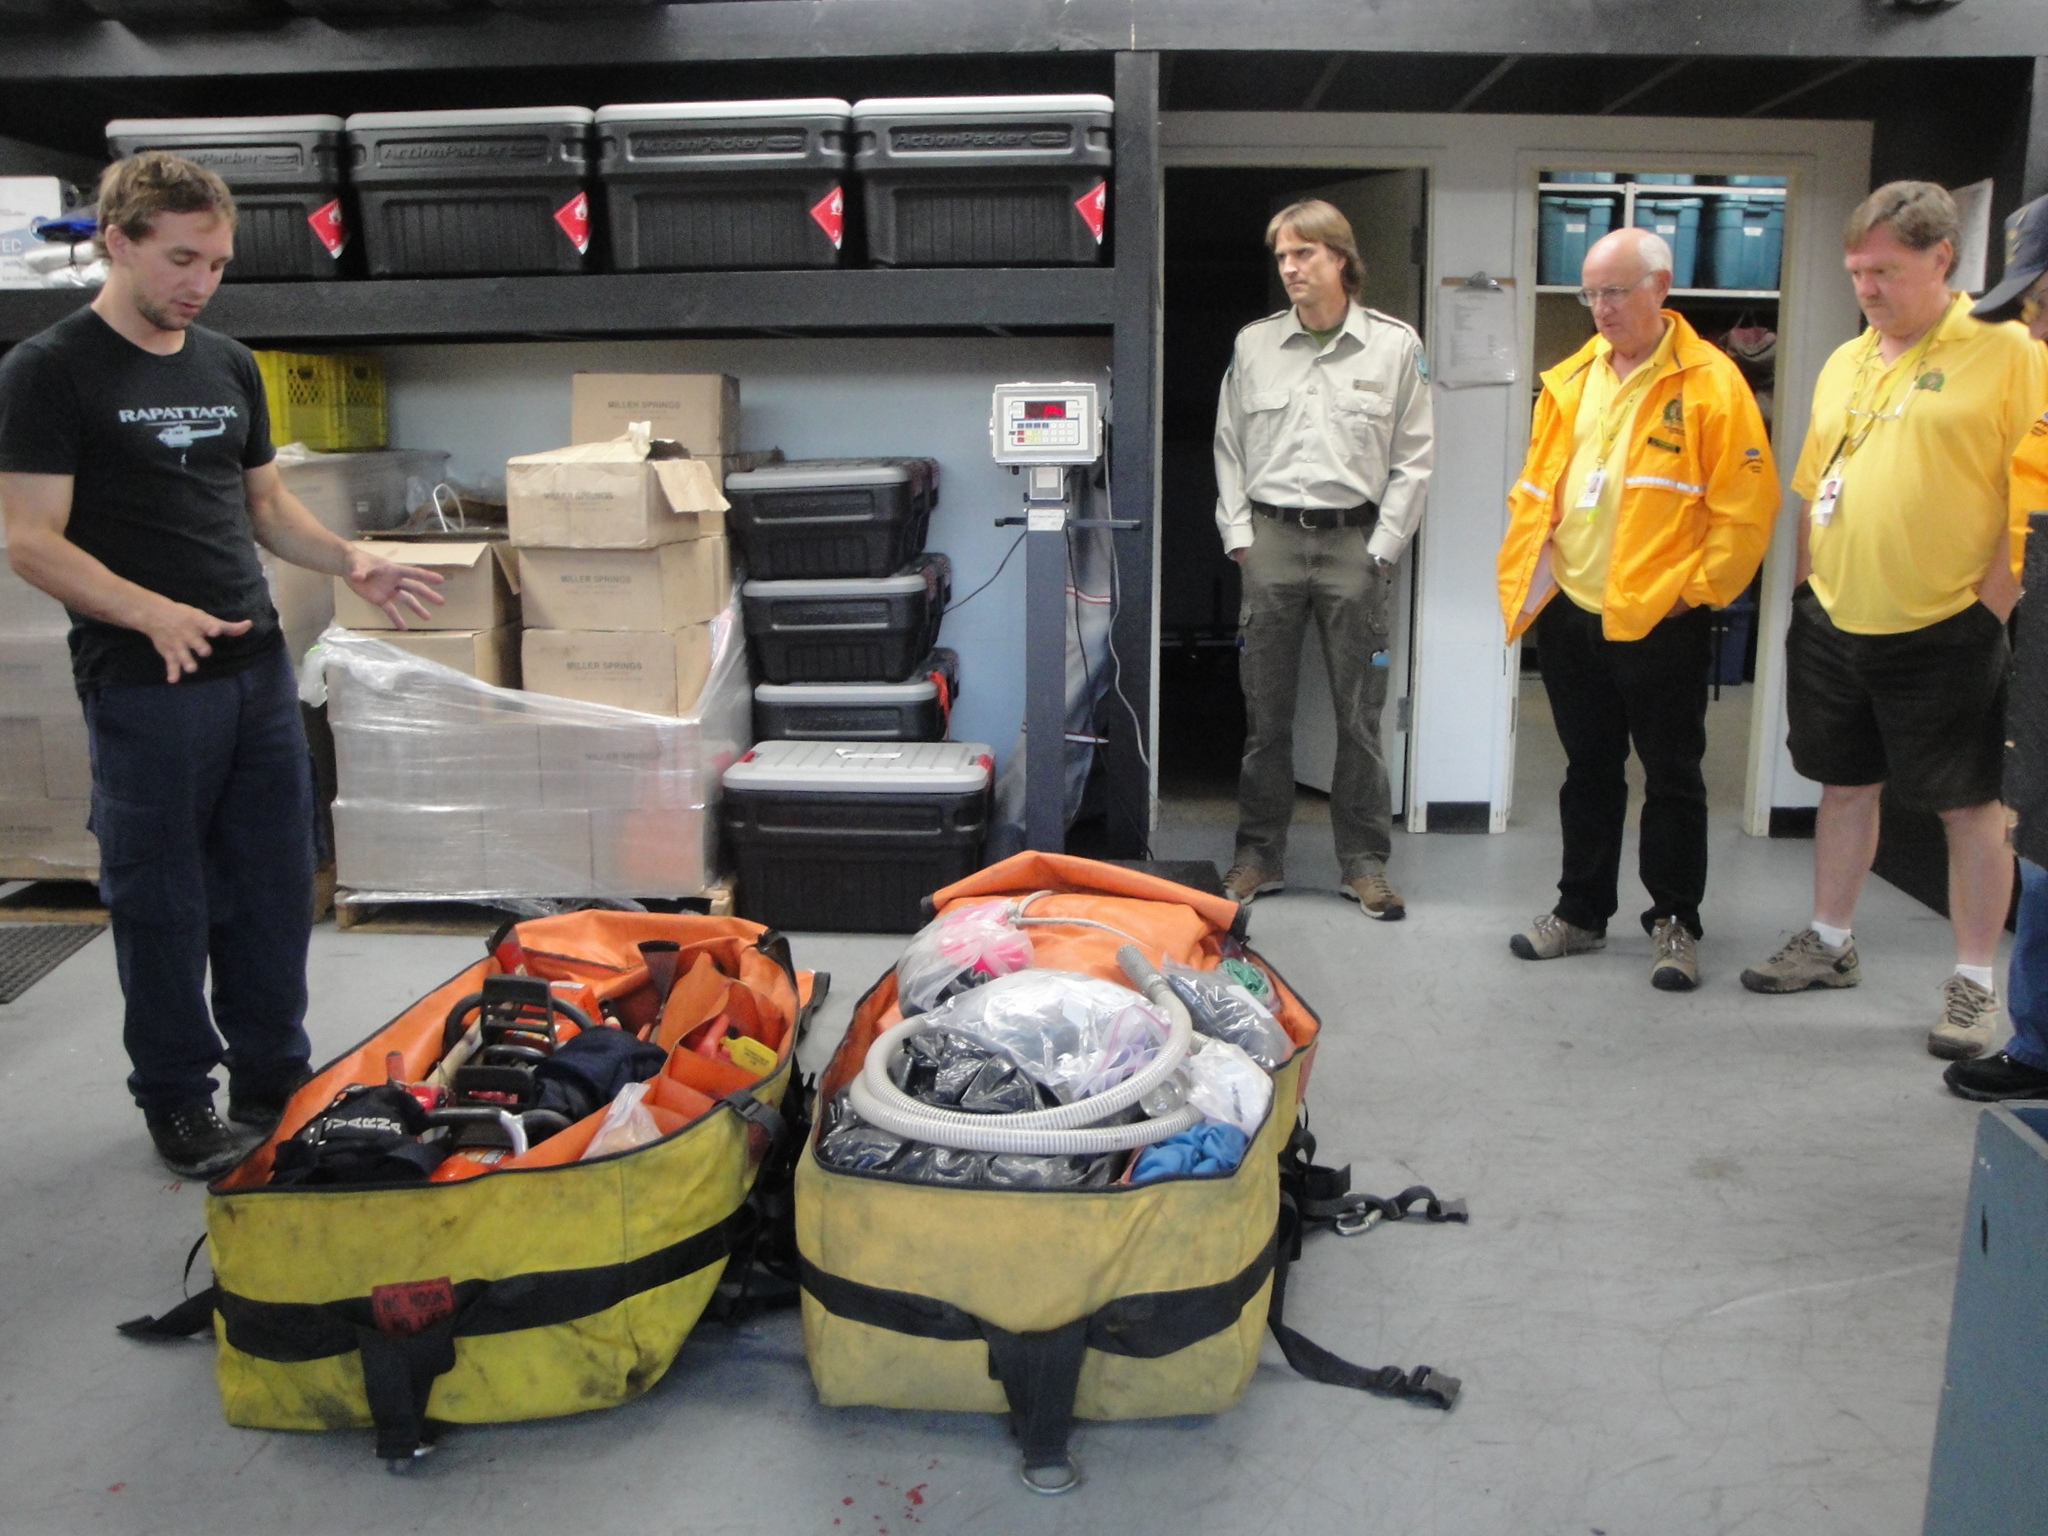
[1432,1386]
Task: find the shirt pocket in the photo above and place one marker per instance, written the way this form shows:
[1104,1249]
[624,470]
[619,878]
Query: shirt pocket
[1265,410]
[1365,429]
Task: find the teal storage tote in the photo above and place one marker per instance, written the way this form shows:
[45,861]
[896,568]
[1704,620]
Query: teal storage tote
[1755,181]
[1749,237]
[1677,219]
[1566,226]
[1578,176]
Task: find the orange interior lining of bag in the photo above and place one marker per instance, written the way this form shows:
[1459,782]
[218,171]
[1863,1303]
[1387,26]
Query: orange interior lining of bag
[1167,921]
[600,948]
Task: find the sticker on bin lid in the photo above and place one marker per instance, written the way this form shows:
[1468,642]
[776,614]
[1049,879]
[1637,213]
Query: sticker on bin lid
[830,212]
[1091,206]
[328,228]
[574,217]
[864,768]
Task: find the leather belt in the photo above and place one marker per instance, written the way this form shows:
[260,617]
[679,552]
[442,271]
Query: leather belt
[1321,519]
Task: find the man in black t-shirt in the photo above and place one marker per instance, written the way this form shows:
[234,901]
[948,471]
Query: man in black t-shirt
[136,479]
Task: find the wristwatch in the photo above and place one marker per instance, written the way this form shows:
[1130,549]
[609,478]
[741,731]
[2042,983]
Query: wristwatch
[1382,564]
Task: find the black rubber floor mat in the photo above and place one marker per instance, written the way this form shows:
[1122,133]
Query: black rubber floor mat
[30,951]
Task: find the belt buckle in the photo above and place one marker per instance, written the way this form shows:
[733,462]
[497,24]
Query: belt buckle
[1301,516]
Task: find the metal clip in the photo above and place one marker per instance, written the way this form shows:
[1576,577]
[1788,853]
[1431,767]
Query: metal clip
[1358,1221]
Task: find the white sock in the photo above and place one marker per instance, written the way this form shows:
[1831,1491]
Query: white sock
[1834,938]
[1980,974]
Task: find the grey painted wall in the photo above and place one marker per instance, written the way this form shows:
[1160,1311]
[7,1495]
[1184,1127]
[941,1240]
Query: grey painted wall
[812,399]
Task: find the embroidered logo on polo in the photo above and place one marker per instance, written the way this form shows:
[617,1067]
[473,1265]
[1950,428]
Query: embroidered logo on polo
[1932,379]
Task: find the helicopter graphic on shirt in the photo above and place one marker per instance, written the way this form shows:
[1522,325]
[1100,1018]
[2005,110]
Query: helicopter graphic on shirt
[183,434]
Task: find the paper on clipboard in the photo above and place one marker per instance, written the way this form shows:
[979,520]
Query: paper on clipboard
[1475,334]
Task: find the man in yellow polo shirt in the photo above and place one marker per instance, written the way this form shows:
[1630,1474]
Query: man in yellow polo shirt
[1896,658]
[1646,499]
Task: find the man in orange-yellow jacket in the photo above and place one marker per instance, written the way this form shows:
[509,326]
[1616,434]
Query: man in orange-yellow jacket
[1646,499]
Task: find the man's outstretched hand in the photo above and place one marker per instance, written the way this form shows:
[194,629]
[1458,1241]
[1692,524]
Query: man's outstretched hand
[180,634]
[393,587]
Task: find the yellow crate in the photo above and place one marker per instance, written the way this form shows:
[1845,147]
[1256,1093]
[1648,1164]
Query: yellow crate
[329,403]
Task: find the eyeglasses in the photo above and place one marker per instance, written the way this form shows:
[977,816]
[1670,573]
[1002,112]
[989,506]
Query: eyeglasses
[1591,296]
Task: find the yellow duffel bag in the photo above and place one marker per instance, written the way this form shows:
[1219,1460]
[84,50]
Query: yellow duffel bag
[1130,1301]
[535,1284]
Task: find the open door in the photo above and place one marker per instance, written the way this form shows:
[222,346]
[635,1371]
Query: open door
[1386,213]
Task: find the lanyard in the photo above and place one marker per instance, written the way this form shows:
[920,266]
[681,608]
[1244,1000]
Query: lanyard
[1622,408]
[1907,369]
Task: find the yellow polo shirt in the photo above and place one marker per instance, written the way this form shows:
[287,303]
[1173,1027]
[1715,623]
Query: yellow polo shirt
[1924,503]
[1582,544]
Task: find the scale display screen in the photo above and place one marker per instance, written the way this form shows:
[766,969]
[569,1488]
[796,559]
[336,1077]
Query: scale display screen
[1046,424]
[1045,410]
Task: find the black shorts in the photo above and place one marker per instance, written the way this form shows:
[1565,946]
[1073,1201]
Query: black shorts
[1922,711]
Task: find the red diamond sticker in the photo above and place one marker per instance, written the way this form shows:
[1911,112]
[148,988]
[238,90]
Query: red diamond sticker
[328,228]
[574,217]
[830,212]
[1092,206]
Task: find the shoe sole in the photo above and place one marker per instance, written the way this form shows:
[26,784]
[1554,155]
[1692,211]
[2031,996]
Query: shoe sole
[1264,890]
[208,1171]
[1520,944]
[1668,978]
[1988,1096]
[1771,986]
[1955,1050]
[1389,914]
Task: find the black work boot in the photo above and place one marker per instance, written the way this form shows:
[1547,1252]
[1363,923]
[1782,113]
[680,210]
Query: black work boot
[262,1111]
[192,1141]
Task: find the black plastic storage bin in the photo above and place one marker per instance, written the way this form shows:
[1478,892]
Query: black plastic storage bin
[725,184]
[837,837]
[847,629]
[916,710]
[831,517]
[285,173]
[479,193]
[958,181]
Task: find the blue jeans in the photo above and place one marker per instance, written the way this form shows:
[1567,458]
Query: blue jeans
[202,801]
[2026,982]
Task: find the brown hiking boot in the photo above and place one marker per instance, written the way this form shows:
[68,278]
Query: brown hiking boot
[1805,962]
[1676,966]
[1376,894]
[1247,882]
[1551,936]
[1969,1018]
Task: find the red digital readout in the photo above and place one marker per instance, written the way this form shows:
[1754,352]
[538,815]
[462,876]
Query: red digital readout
[1045,410]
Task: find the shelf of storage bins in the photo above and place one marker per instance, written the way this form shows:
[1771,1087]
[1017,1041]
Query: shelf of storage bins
[900,299]
[1653,189]
[1680,293]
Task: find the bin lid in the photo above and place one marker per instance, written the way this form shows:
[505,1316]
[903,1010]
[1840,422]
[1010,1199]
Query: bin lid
[698,111]
[865,767]
[979,106]
[918,690]
[199,127]
[495,117]
[902,584]
[811,474]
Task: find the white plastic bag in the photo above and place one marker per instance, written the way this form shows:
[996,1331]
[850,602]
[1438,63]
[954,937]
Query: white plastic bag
[1076,1034]
[958,951]
[1226,1085]
[627,1124]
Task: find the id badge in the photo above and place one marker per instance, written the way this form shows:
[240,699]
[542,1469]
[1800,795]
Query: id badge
[1590,498]
[1824,504]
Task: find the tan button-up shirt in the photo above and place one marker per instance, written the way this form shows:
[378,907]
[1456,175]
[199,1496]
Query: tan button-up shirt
[1305,426]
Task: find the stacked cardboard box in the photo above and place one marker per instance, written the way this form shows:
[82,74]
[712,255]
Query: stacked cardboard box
[621,537]
[45,769]
[474,629]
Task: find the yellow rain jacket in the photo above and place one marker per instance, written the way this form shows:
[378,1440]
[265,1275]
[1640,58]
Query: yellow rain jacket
[1699,491]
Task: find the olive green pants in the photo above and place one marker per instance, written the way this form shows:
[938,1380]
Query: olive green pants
[1291,574]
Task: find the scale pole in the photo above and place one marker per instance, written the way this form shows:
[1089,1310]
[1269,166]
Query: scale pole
[1046,510]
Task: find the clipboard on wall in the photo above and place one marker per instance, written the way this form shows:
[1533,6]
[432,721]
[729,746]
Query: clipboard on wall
[1477,332]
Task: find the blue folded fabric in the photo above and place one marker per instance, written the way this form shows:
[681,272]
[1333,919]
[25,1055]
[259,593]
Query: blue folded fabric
[1208,1148]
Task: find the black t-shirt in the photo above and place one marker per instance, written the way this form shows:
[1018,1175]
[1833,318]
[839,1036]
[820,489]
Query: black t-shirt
[157,447]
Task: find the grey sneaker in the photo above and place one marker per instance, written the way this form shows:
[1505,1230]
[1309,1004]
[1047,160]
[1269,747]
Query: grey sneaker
[1805,962]
[1969,1018]
[1676,963]
[1246,882]
[1375,892]
[1551,936]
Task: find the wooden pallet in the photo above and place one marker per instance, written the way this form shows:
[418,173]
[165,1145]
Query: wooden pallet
[54,901]
[458,919]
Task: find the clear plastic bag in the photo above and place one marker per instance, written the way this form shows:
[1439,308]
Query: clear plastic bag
[1228,1087]
[1224,1010]
[627,1124]
[850,1143]
[959,951]
[1075,1034]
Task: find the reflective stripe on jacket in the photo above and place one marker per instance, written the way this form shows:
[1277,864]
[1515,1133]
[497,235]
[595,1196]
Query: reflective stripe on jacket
[1699,491]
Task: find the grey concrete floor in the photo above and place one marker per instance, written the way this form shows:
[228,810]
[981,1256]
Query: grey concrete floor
[1705,1288]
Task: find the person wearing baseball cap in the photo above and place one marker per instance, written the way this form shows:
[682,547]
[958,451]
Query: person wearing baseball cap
[2020,1071]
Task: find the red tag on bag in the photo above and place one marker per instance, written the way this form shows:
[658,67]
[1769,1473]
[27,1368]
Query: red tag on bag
[412,1306]
[1093,206]
[328,227]
[830,212]
[574,217]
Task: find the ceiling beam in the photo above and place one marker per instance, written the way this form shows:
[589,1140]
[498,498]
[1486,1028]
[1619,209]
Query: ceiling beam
[1324,81]
[1636,92]
[1825,77]
[1486,83]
